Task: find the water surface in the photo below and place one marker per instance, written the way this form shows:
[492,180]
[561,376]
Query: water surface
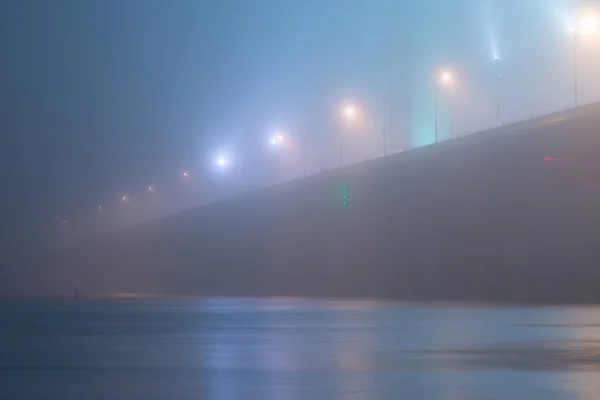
[295,349]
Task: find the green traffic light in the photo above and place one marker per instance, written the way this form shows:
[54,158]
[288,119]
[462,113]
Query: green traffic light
[344,194]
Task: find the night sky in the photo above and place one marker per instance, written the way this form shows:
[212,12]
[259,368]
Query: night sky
[99,99]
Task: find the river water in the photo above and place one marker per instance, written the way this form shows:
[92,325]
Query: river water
[295,349]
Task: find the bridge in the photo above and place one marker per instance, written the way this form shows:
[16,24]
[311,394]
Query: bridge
[510,214]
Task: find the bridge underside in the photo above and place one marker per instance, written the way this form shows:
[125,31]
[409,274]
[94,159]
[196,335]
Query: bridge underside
[511,214]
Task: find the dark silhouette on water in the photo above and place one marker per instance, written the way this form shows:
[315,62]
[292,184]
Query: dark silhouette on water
[75,293]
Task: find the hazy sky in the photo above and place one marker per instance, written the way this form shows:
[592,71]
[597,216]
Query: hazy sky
[101,98]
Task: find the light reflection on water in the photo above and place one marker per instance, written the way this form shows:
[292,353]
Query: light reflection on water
[296,349]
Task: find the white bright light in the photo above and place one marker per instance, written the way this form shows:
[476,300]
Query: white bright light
[277,139]
[185,174]
[99,208]
[150,188]
[446,78]
[124,198]
[349,111]
[588,25]
[222,161]
[494,46]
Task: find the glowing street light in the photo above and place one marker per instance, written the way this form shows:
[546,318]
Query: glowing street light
[277,140]
[124,198]
[280,139]
[588,26]
[349,111]
[222,161]
[151,188]
[185,174]
[445,79]
[99,208]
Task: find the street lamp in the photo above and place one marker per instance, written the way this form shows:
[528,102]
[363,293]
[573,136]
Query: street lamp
[349,115]
[349,111]
[444,79]
[221,162]
[498,84]
[277,140]
[384,128]
[588,26]
[303,138]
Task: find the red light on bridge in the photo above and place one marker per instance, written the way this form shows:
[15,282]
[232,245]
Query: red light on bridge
[550,159]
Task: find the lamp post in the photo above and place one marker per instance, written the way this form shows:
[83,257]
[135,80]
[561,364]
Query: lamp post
[498,84]
[587,26]
[349,114]
[277,141]
[304,155]
[575,71]
[444,79]
[385,125]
